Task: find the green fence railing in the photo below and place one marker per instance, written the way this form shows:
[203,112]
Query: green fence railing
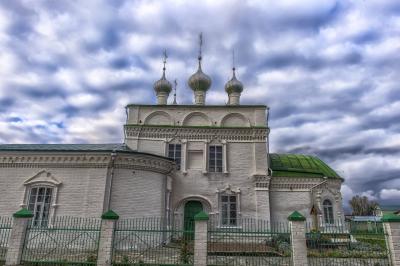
[152,241]
[346,244]
[248,241]
[5,230]
[65,241]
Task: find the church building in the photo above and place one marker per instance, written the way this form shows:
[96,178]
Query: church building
[175,160]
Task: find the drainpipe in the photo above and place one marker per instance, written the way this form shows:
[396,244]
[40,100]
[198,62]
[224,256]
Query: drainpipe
[112,166]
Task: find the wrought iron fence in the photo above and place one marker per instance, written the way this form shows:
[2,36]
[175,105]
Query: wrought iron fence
[151,241]
[248,241]
[5,230]
[66,241]
[347,244]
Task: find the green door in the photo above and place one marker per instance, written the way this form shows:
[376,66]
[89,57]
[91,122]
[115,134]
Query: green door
[191,209]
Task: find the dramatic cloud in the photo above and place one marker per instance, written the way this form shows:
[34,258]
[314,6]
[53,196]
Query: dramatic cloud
[329,70]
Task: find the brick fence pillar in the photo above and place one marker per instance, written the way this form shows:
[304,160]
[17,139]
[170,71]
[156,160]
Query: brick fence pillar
[298,239]
[200,239]
[391,223]
[109,219]
[17,237]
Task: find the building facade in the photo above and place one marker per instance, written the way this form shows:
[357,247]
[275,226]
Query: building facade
[175,161]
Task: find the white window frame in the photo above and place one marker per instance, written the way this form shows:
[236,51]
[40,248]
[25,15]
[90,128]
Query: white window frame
[39,221]
[179,166]
[328,212]
[229,191]
[215,155]
[226,221]
[42,179]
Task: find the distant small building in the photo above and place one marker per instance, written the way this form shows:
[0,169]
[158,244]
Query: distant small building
[387,209]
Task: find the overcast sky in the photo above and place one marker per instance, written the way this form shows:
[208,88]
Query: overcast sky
[329,70]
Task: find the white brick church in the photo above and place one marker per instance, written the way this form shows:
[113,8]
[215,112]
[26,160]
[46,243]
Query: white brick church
[175,161]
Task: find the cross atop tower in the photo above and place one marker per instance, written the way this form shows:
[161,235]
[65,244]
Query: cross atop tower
[200,44]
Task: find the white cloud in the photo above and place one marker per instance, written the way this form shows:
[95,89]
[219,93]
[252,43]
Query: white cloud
[390,194]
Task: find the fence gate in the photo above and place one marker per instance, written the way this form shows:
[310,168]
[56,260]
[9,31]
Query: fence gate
[359,243]
[66,241]
[248,242]
[5,230]
[151,241]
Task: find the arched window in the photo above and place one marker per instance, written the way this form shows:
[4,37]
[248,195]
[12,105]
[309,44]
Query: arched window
[328,211]
[40,197]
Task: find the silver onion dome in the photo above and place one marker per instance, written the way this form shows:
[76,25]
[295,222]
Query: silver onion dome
[163,85]
[199,80]
[233,85]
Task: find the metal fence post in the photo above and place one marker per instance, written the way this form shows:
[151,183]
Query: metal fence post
[298,239]
[391,223]
[200,239]
[104,257]
[17,237]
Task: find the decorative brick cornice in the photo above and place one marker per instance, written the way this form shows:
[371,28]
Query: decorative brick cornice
[197,133]
[262,182]
[63,160]
[301,184]
[140,162]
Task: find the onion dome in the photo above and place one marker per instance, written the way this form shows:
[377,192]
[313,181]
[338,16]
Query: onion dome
[233,85]
[199,81]
[163,85]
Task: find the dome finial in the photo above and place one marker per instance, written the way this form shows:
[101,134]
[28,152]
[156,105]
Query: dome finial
[175,85]
[200,46]
[233,62]
[165,56]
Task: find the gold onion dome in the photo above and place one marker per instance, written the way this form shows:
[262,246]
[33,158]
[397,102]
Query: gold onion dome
[199,80]
[163,85]
[233,85]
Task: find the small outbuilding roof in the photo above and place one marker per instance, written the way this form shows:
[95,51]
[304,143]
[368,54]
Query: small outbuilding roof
[299,165]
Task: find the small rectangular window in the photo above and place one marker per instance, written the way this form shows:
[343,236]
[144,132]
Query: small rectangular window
[175,153]
[215,159]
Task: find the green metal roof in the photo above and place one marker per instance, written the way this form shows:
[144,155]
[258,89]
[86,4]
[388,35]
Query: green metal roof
[298,165]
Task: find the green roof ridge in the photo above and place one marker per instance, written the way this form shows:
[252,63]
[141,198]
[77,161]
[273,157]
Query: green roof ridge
[110,215]
[391,217]
[201,216]
[23,213]
[296,216]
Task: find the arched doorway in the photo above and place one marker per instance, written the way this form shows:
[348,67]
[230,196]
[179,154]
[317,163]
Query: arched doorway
[192,208]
